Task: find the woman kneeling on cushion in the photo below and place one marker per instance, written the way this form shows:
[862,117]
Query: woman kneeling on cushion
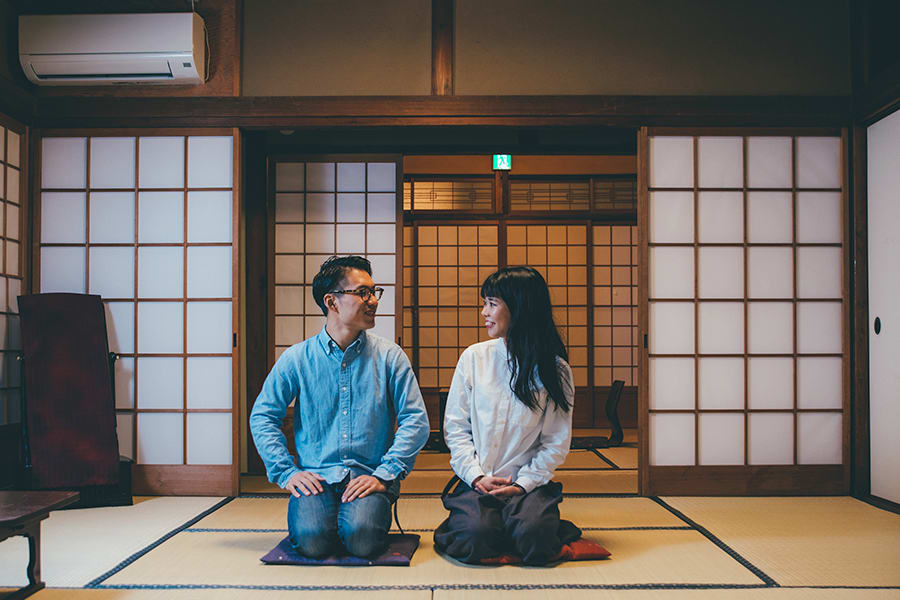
[508,424]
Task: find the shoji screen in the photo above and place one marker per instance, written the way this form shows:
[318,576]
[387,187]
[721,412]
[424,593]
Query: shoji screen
[12,148]
[148,223]
[322,209]
[747,374]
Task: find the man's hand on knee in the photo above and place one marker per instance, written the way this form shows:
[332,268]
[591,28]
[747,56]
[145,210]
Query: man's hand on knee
[362,486]
[304,482]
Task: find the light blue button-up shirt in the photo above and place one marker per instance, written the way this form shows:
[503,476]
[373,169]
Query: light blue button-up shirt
[347,403]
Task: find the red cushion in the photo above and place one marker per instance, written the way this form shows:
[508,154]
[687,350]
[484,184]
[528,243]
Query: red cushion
[580,549]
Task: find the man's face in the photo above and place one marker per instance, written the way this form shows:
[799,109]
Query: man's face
[351,310]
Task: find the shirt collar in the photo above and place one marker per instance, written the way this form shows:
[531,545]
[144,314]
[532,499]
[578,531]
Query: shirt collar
[329,345]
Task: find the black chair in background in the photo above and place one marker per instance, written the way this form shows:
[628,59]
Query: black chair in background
[436,441]
[612,414]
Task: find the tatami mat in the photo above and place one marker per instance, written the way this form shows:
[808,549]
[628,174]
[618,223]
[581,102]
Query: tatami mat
[427,513]
[79,545]
[225,594]
[669,594]
[577,459]
[624,457]
[640,557]
[805,541]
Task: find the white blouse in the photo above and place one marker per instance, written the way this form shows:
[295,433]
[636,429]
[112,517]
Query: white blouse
[491,432]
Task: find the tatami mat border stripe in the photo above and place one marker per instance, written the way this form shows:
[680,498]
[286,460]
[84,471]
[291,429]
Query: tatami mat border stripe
[649,528]
[275,496]
[445,586]
[722,545]
[98,580]
[604,459]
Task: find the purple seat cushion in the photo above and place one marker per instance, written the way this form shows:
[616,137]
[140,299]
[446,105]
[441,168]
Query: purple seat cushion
[400,549]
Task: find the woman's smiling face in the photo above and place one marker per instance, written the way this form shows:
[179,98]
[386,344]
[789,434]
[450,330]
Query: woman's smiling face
[496,316]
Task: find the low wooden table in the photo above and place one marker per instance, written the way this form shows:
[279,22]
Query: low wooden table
[21,513]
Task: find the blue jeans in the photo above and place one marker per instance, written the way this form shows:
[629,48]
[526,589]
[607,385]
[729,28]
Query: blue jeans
[318,525]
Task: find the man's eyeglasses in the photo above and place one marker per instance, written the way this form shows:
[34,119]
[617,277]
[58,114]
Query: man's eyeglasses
[364,293]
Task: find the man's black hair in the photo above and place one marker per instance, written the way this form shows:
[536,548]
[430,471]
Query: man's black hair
[332,272]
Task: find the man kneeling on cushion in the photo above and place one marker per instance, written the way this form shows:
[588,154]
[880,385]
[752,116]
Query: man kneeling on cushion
[350,387]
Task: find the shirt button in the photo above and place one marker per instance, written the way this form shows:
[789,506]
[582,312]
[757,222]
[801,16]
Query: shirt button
[344,389]
[345,412]
[343,364]
[345,435]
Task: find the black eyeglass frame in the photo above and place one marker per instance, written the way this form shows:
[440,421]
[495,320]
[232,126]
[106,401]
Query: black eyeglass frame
[363,293]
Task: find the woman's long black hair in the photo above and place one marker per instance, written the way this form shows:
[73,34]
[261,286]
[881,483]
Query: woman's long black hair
[532,340]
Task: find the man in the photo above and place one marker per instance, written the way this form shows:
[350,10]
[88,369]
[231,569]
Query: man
[350,387]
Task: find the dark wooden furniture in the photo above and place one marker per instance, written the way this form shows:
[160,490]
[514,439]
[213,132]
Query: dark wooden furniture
[616,435]
[21,513]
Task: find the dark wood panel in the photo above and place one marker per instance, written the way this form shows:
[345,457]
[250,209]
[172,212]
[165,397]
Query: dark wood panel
[442,28]
[16,102]
[770,111]
[183,480]
[11,463]
[859,325]
[804,480]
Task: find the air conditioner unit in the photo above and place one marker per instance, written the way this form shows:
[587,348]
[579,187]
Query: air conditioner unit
[163,48]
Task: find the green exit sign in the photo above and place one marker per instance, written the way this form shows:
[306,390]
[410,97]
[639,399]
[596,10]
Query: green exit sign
[502,162]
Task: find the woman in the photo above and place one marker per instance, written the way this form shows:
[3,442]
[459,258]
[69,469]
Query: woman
[508,424]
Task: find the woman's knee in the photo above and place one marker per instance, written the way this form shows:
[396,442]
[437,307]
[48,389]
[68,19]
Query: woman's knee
[536,542]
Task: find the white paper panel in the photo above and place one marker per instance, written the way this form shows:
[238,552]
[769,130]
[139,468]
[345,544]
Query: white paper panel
[160,217]
[770,383]
[161,272]
[320,177]
[819,382]
[289,238]
[770,328]
[671,217]
[320,208]
[721,439]
[721,383]
[120,326]
[14,151]
[209,272]
[381,238]
[351,177]
[112,217]
[63,163]
[112,272]
[290,208]
[671,162]
[721,328]
[769,217]
[671,328]
[12,185]
[720,162]
[382,177]
[112,162]
[210,161]
[819,438]
[385,327]
[12,221]
[62,270]
[819,272]
[2,143]
[771,439]
[12,258]
[720,217]
[351,208]
[351,239]
[288,300]
[14,341]
[15,290]
[386,305]
[160,382]
[124,382]
[313,325]
[818,162]
[671,272]
[671,439]
[819,327]
[125,434]
[320,239]
[209,327]
[209,439]
[288,269]
[382,208]
[209,217]
[770,272]
[209,382]
[290,176]
[160,328]
[4,293]
[161,162]
[671,383]
[721,273]
[769,162]
[160,438]
[279,350]
[63,217]
[4,326]
[384,271]
[288,330]
[3,170]
[819,217]
[309,302]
